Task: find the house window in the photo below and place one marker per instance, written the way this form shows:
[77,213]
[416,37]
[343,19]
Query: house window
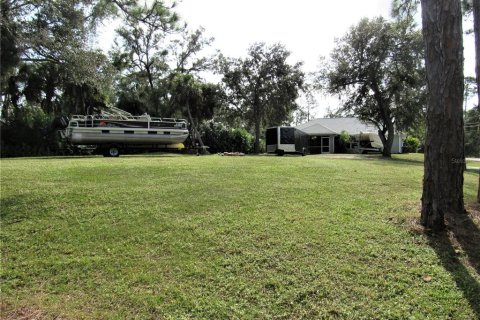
[105,131]
[152,132]
[128,132]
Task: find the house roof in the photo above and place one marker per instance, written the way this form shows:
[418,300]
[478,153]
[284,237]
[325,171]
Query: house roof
[333,126]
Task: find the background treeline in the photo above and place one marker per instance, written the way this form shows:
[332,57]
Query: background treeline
[50,67]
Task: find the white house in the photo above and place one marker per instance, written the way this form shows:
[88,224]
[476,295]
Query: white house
[324,135]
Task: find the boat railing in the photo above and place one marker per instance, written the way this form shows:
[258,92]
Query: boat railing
[95,120]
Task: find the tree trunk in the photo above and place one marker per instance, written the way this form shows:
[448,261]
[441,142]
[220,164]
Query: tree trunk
[194,127]
[444,145]
[476,28]
[387,141]
[5,102]
[478,193]
[257,128]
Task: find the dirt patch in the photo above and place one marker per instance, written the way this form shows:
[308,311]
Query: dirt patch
[474,211]
[461,237]
[22,313]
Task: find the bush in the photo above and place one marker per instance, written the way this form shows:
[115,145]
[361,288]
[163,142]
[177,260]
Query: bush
[345,138]
[221,139]
[27,133]
[411,144]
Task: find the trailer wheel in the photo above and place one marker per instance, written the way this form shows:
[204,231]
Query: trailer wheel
[111,151]
[280,152]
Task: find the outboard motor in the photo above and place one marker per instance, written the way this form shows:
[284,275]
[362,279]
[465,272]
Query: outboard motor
[60,122]
[60,141]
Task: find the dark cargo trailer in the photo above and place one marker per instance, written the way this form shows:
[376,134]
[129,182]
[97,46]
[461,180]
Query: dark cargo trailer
[281,140]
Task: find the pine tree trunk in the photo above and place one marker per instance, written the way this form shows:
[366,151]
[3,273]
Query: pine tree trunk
[444,145]
[476,28]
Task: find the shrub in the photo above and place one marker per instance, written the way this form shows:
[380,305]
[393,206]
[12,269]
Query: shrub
[345,138]
[222,139]
[27,133]
[411,144]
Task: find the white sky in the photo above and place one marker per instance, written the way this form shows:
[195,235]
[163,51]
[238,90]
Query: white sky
[306,27]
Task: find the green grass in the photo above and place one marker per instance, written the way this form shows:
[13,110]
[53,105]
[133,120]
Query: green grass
[419,157]
[224,237]
[475,164]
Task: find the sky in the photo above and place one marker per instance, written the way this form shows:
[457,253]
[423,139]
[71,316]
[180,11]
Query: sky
[307,28]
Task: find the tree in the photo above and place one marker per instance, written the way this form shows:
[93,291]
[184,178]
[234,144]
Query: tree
[476,28]
[444,146]
[187,62]
[185,51]
[49,46]
[198,100]
[262,87]
[378,66]
[141,55]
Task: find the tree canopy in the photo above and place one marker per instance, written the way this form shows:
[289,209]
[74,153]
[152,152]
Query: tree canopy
[378,66]
[263,87]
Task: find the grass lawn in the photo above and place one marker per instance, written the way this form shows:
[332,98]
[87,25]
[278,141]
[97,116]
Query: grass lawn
[169,236]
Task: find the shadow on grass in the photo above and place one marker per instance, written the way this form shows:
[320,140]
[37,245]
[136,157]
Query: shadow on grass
[461,238]
[72,157]
[10,213]
[93,156]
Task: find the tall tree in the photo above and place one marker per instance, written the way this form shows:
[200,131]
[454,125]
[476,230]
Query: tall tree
[444,145]
[378,65]
[194,98]
[476,28]
[141,54]
[263,87]
[186,49]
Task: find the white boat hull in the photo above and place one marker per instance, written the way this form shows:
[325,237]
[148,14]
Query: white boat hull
[113,135]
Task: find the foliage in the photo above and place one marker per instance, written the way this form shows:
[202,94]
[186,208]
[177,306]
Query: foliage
[224,237]
[185,52]
[411,144]
[345,137]
[141,56]
[378,66]
[307,105]
[222,139]
[472,132]
[48,60]
[28,132]
[195,99]
[470,89]
[152,60]
[51,55]
[263,86]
